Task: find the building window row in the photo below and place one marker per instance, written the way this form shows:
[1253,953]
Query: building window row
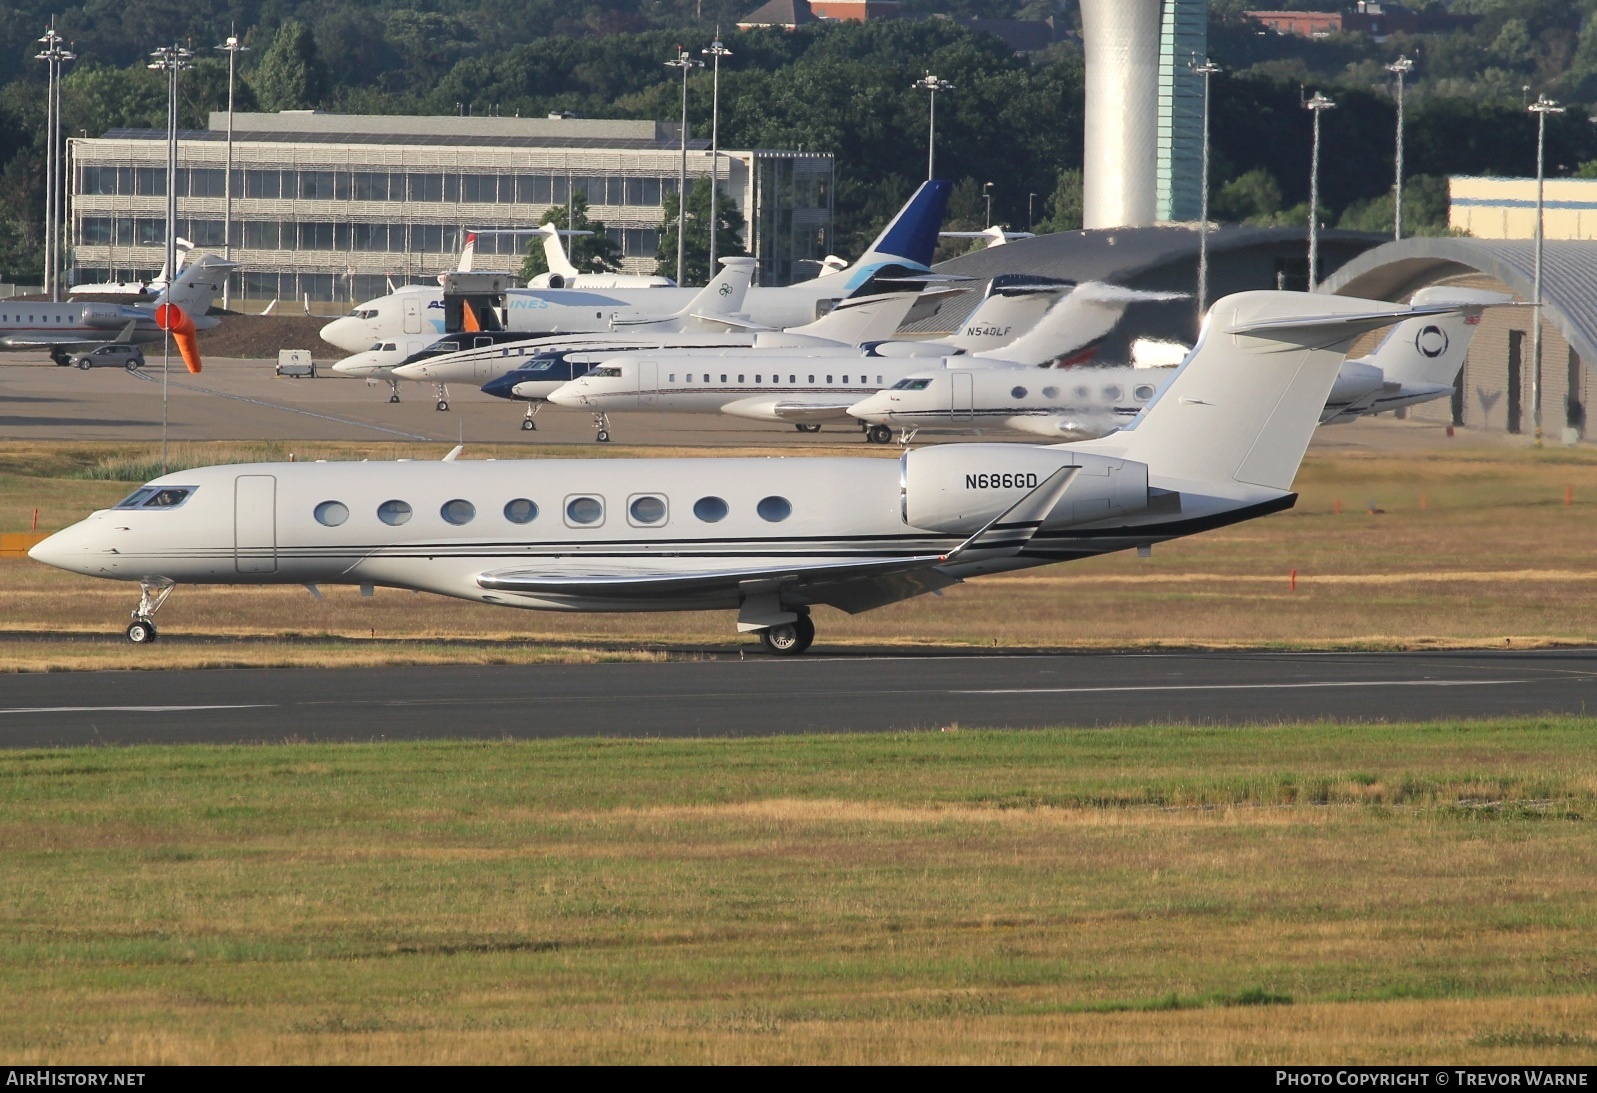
[308,185]
[149,231]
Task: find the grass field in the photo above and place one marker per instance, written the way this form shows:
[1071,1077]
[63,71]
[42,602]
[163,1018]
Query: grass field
[1469,547]
[1301,894]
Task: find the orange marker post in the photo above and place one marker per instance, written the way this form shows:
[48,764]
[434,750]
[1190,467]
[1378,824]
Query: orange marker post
[1339,506]
[1294,580]
[172,318]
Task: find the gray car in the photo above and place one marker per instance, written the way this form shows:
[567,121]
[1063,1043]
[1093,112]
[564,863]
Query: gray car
[117,354]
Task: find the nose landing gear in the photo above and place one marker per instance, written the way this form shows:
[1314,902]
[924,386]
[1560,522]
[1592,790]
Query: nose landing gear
[441,391]
[528,425]
[393,389]
[153,592]
[601,422]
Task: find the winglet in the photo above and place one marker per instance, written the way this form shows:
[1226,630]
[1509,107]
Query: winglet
[454,453]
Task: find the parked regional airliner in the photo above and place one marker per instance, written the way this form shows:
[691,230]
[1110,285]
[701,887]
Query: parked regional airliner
[767,538]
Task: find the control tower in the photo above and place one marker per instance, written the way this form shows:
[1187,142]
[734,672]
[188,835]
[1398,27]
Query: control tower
[1144,111]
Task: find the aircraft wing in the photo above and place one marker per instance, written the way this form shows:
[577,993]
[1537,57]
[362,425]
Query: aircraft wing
[852,586]
[43,341]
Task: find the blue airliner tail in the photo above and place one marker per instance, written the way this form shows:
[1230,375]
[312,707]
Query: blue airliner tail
[911,236]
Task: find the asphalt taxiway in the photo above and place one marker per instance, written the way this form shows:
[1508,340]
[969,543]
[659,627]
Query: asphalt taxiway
[727,696]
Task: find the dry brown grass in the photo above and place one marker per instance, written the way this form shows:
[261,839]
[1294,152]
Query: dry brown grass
[1471,548]
[1288,894]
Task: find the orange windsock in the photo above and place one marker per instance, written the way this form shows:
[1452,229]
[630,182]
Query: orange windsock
[172,318]
[468,317]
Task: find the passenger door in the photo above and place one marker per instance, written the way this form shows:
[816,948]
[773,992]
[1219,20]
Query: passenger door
[255,523]
[962,396]
[412,308]
[648,382]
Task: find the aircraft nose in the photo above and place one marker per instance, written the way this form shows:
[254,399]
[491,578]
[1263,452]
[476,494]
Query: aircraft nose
[67,549]
[867,409]
[411,372]
[358,365]
[346,333]
[560,396]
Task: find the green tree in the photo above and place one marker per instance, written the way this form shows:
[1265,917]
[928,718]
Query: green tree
[1252,197]
[696,243]
[597,252]
[291,75]
[1063,207]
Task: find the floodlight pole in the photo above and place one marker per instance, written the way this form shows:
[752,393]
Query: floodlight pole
[1541,108]
[987,192]
[934,85]
[1205,69]
[54,57]
[717,51]
[686,62]
[1402,67]
[172,60]
[1316,105]
[232,48]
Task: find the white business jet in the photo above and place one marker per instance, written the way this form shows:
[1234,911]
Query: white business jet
[132,292]
[74,326]
[767,538]
[722,297]
[562,274]
[418,310]
[810,390]
[1416,362]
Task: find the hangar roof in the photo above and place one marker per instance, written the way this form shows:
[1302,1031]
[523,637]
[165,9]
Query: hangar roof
[1395,270]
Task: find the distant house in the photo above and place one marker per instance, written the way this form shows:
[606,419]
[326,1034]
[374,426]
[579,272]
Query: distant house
[787,14]
[1367,17]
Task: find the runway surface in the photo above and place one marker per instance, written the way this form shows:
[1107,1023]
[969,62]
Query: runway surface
[764,695]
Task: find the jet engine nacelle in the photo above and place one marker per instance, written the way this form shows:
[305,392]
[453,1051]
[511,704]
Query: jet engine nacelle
[1354,382]
[957,489]
[104,316]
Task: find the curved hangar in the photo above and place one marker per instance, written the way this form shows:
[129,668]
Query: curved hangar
[1495,389]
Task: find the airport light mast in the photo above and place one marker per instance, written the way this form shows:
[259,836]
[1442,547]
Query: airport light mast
[232,48]
[1206,69]
[1316,105]
[54,57]
[1401,67]
[934,85]
[687,63]
[716,51]
[172,60]
[1541,108]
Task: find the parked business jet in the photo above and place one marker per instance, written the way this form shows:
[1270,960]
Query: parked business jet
[417,310]
[68,327]
[807,391]
[1415,363]
[767,538]
[132,292]
[562,274]
[722,298]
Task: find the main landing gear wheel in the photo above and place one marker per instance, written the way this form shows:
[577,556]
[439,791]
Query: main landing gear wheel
[808,428]
[789,639]
[141,631]
[878,434]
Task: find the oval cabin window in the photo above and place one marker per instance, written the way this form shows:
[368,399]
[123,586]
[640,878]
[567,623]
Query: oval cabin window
[647,510]
[584,510]
[521,511]
[458,511]
[393,513]
[711,510]
[332,513]
[774,509]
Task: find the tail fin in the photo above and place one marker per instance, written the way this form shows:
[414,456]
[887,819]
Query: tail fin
[911,236]
[861,319]
[198,286]
[725,293]
[1014,304]
[1244,404]
[554,252]
[1430,349]
[468,254]
[1081,319]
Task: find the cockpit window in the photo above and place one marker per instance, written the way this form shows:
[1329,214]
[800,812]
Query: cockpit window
[363,313]
[132,500]
[389,347]
[912,385]
[151,497]
[605,373]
